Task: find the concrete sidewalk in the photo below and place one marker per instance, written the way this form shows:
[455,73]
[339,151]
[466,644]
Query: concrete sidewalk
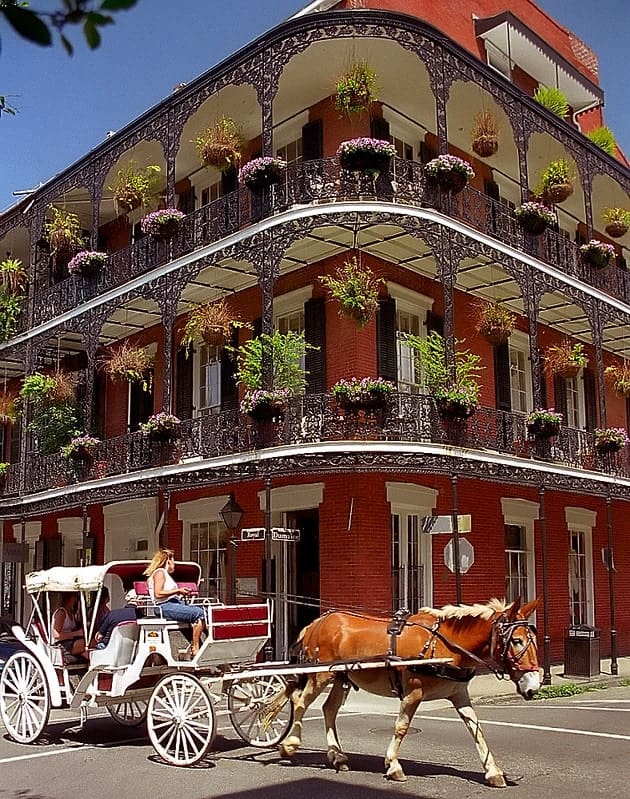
[485,687]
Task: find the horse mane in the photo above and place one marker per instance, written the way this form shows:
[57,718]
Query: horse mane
[478,610]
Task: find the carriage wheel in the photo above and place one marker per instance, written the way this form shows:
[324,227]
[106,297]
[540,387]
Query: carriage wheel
[180,720]
[260,710]
[24,697]
[129,714]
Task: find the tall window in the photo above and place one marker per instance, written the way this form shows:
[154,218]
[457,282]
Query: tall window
[409,378]
[407,565]
[520,373]
[209,377]
[578,595]
[575,403]
[208,542]
[516,557]
[292,151]
[292,322]
[403,149]
[211,193]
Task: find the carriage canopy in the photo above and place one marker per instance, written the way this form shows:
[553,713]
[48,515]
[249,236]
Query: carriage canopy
[91,578]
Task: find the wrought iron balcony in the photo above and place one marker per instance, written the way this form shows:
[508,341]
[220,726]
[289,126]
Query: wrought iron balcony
[406,418]
[312,182]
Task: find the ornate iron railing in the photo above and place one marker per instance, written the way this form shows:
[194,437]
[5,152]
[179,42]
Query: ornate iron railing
[406,418]
[323,181]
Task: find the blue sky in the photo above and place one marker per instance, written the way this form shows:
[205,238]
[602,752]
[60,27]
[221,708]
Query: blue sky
[67,105]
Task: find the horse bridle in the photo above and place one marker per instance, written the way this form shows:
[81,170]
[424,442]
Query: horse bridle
[501,640]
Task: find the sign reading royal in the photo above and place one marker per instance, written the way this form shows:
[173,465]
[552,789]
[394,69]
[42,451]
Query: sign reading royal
[253,534]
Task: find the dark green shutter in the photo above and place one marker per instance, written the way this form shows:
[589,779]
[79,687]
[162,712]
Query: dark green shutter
[99,391]
[313,140]
[426,152]
[140,405]
[435,323]
[379,128]
[502,387]
[229,180]
[590,399]
[186,202]
[491,189]
[387,360]
[315,334]
[560,396]
[184,386]
[229,389]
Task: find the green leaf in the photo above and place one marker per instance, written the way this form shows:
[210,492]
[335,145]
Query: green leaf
[28,25]
[67,45]
[117,5]
[92,36]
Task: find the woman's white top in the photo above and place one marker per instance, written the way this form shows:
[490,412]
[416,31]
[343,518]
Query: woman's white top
[169,585]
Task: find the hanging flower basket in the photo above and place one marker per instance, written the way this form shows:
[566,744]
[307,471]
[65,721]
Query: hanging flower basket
[261,173]
[565,359]
[485,146]
[366,155]
[265,406]
[534,217]
[81,449]
[597,253]
[162,427]
[87,263]
[220,145]
[544,423]
[366,394]
[558,192]
[610,440]
[455,410]
[449,172]
[356,89]
[495,322]
[163,224]
[616,230]
[485,134]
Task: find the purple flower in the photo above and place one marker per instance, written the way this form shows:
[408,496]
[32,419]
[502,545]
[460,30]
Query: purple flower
[536,209]
[449,163]
[365,144]
[261,396]
[85,260]
[259,169]
[161,423]
[156,222]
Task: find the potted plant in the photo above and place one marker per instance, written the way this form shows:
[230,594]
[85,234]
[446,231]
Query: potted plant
[162,427]
[565,359]
[556,181]
[81,448]
[259,173]
[534,217]
[355,287]
[603,138]
[11,306]
[220,145]
[355,89]
[87,263]
[366,155]
[619,376]
[362,394]
[610,439]
[128,362]
[495,322]
[455,398]
[450,172]
[53,413]
[543,423]
[553,100]
[617,221]
[212,323]
[63,233]
[288,378]
[135,186]
[597,253]
[162,224]
[4,469]
[12,275]
[8,409]
[265,405]
[485,134]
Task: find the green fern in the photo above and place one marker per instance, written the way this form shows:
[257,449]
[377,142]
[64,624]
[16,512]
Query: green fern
[603,138]
[553,100]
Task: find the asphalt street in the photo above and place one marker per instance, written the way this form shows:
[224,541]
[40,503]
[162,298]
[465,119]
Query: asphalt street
[564,747]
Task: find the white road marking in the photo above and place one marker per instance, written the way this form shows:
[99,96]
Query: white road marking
[568,731]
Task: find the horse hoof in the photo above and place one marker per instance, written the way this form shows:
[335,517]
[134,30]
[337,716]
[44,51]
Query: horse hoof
[338,761]
[396,775]
[287,751]
[497,781]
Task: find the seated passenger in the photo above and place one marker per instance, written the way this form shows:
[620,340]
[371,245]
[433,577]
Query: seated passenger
[66,626]
[130,612]
[165,594]
[103,607]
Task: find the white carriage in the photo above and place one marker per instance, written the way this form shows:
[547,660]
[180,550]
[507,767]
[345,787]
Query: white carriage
[143,672]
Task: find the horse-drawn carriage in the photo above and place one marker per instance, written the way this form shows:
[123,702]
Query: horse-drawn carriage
[145,672]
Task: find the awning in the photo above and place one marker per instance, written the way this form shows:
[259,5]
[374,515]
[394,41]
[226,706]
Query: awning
[511,41]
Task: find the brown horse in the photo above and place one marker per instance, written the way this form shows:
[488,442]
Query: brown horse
[468,634]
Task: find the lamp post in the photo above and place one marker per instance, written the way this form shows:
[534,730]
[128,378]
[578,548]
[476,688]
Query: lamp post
[610,565]
[231,514]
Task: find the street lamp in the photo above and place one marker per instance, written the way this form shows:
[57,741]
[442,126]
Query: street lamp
[231,514]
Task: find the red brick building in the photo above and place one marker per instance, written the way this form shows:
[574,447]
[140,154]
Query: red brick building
[547,515]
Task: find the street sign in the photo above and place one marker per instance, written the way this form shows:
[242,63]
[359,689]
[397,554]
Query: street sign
[253,534]
[466,555]
[434,525]
[284,534]
[14,553]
